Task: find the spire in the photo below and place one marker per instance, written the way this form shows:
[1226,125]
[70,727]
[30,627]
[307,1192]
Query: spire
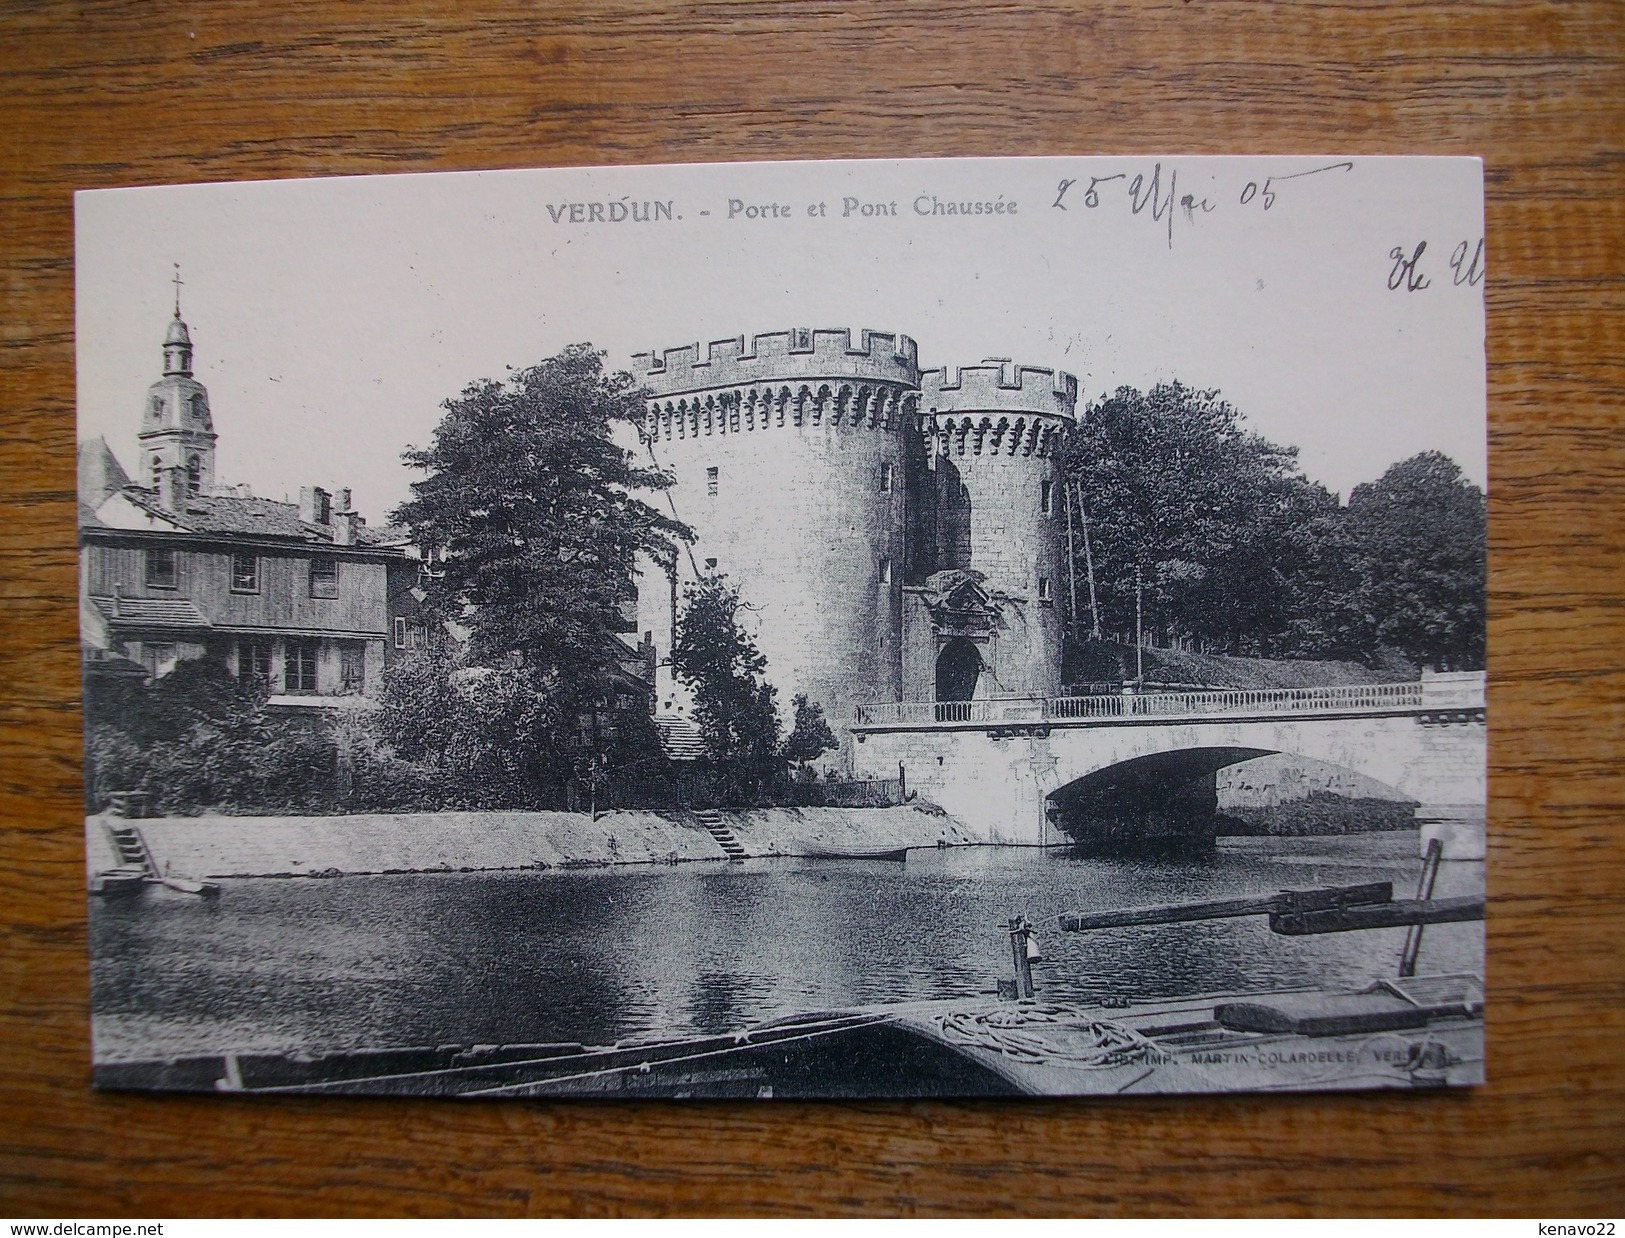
[178,340]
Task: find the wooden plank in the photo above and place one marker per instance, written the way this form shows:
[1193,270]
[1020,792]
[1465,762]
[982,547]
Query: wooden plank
[1229,908]
[1384,915]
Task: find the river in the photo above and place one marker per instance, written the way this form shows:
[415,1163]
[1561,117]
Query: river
[605,955]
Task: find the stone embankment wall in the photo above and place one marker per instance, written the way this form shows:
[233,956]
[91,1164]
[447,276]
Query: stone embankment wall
[481,841]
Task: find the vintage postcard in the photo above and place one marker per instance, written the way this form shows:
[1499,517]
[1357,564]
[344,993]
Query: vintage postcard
[918,628]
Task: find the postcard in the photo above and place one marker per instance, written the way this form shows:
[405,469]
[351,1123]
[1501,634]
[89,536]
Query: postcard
[809,629]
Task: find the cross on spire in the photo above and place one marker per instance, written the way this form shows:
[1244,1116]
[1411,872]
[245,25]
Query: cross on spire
[177,282]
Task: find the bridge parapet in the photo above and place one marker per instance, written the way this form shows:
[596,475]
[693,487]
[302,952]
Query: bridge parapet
[1455,692]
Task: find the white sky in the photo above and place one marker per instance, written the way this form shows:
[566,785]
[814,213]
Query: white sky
[331,317]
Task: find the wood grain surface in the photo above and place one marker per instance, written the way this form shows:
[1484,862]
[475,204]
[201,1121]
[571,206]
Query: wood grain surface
[135,93]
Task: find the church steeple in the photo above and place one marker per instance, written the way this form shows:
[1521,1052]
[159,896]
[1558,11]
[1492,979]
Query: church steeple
[176,430]
[178,340]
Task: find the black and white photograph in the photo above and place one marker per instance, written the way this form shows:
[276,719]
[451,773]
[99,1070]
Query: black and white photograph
[923,628]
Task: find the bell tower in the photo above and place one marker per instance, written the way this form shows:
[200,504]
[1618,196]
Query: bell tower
[176,430]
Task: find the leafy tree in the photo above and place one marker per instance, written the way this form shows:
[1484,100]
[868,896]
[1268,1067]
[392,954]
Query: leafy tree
[810,736]
[534,502]
[1420,536]
[734,706]
[1191,514]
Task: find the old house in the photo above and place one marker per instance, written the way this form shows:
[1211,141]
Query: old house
[174,567]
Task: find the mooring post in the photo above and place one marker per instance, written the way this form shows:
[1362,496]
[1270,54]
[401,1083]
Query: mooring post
[1019,930]
[1424,890]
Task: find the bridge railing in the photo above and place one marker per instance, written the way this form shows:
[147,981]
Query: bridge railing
[1206,703]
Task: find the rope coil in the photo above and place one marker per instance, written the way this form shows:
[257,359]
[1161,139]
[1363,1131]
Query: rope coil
[1052,1035]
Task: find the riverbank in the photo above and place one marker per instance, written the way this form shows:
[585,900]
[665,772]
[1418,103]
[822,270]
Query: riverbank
[376,843]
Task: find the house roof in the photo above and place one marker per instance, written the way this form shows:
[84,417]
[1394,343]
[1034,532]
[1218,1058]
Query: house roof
[100,473]
[237,516]
[129,612]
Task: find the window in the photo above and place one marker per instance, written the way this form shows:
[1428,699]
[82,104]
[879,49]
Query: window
[157,471]
[352,667]
[324,577]
[158,659]
[157,408]
[400,633]
[245,573]
[194,475]
[199,412]
[160,568]
[254,661]
[885,571]
[710,481]
[299,666]
[886,477]
[1044,595]
[1046,497]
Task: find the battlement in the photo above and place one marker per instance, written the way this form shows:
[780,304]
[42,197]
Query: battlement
[999,387]
[799,353]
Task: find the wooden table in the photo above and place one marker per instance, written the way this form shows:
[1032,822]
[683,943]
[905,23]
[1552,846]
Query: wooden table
[130,93]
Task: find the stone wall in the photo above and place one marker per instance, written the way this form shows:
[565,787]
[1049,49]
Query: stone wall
[482,841]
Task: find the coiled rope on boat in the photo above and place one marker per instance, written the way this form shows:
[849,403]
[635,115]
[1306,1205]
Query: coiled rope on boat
[1051,1035]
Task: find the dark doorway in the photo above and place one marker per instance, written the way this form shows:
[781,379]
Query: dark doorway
[959,665]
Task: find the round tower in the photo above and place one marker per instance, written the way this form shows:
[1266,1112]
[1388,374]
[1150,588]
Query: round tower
[992,434]
[176,430]
[789,454]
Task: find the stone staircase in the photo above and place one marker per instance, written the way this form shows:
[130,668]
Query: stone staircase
[131,848]
[711,819]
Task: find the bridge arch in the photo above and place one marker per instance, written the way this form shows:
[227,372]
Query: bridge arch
[1165,797]
[1001,767]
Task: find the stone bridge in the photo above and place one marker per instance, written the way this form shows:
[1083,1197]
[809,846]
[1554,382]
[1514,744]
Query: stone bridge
[1015,771]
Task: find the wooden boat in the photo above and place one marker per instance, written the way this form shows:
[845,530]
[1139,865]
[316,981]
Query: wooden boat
[190,885]
[1425,1033]
[895,855]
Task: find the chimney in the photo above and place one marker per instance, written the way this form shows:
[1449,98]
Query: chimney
[313,505]
[343,503]
[344,526]
[172,488]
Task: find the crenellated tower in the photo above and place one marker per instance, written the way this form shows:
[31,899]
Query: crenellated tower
[176,430]
[790,453]
[989,622]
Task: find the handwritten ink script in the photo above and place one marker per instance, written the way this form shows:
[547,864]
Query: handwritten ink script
[1466,265]
[1156,195]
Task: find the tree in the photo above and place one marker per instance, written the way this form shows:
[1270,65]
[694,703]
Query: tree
[1191,516]
[734,706]
[534,503]
[1420,538]
[810,736]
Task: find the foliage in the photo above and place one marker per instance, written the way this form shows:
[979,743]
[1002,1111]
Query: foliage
[1228,546]
[735,708]
[197,740]
[532,500]
[810,736]
[1419,534]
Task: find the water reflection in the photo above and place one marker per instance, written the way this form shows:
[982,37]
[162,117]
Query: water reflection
[607,955]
